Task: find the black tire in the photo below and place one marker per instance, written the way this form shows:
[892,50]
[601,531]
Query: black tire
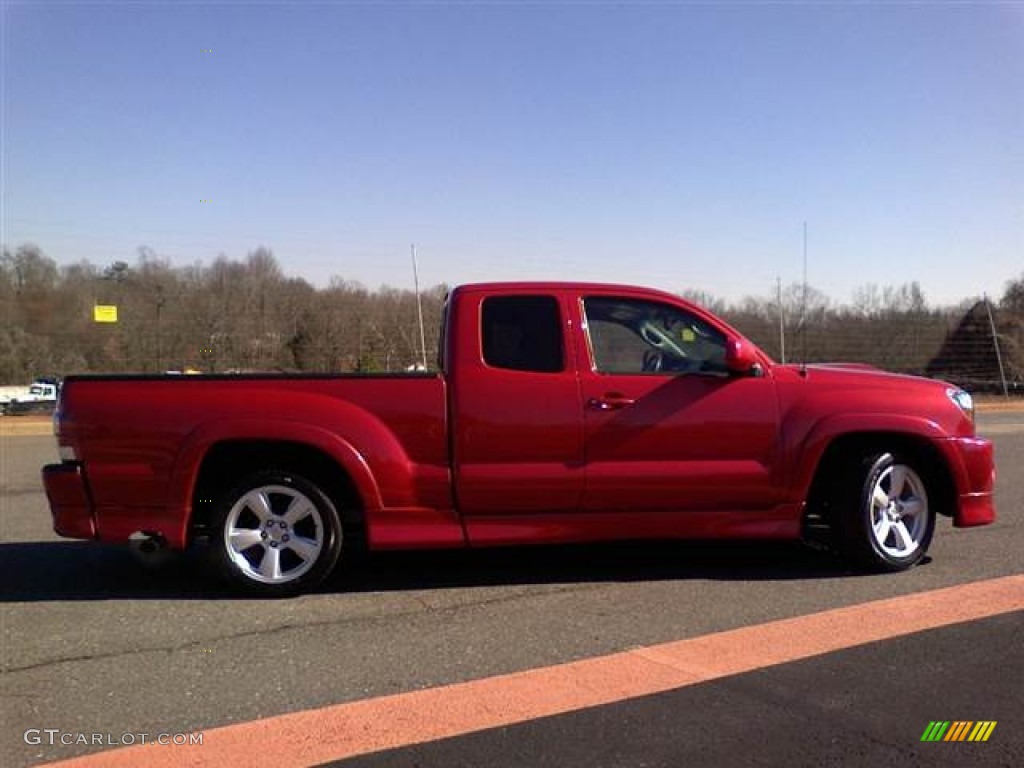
[275,534]
[883,516]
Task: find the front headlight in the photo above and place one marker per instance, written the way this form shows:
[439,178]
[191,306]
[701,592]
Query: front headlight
[963,401]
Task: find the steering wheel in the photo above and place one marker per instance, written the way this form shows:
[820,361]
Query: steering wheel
[651,337]
[653,361]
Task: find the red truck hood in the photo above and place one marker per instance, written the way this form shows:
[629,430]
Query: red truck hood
[862,376]
[856,388]
[859,370]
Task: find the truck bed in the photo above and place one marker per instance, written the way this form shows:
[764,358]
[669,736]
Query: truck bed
[141,437]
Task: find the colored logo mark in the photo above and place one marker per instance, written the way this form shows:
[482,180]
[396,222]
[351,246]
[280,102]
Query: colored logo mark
[958,730]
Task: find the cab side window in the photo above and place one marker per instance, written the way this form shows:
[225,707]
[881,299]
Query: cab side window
[522,333]
[633,336]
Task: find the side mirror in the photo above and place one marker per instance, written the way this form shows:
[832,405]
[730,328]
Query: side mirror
[740,357]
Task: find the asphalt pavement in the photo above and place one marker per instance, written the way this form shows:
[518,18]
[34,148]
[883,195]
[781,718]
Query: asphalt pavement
[816,713]
[95,643]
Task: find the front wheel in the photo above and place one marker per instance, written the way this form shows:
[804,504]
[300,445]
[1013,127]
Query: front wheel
[885,519]
[276,533]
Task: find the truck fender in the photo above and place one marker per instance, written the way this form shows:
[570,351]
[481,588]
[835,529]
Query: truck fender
[811,447]
[200,441]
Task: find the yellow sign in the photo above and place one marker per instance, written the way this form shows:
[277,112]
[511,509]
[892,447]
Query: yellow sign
[104,313]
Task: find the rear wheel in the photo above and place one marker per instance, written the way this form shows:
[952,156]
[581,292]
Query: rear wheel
[276,533]
[884,516]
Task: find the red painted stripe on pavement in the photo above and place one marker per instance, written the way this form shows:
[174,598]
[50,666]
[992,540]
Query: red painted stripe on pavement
[370,725]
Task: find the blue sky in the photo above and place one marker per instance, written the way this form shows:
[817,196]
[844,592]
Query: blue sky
[668,144]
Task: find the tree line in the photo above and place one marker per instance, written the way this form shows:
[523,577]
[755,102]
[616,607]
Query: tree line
[248,315]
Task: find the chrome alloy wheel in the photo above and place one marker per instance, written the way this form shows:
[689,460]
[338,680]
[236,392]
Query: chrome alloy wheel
[274,534]
[899,511]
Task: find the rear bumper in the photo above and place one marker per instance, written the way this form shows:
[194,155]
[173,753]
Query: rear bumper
[974,474]
[70,505]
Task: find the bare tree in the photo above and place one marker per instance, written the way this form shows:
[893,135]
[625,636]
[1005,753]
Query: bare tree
[248,315]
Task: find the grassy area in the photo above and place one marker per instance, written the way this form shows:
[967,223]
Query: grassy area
[32,424]
[998,403]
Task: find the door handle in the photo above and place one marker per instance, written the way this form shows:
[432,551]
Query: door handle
[612,401]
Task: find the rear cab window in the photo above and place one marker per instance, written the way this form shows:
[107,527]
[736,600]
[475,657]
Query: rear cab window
[522,333]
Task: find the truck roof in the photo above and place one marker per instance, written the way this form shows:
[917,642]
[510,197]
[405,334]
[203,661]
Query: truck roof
[561,286]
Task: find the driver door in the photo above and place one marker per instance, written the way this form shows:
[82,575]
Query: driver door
[667,428]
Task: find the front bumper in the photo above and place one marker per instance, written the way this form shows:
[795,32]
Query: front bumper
[974,474]
[70,504]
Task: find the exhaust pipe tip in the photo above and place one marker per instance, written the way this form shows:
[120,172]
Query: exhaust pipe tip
[149,548]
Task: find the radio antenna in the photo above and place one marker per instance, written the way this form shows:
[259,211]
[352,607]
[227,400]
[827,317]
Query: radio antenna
[419,307]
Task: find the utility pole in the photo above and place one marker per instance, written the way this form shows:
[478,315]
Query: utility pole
[782,319]
[419,307]
[995,341]
[803,312]
[159,339]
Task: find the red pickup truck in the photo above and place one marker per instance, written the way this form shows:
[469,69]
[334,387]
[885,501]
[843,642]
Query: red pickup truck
[562,412]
